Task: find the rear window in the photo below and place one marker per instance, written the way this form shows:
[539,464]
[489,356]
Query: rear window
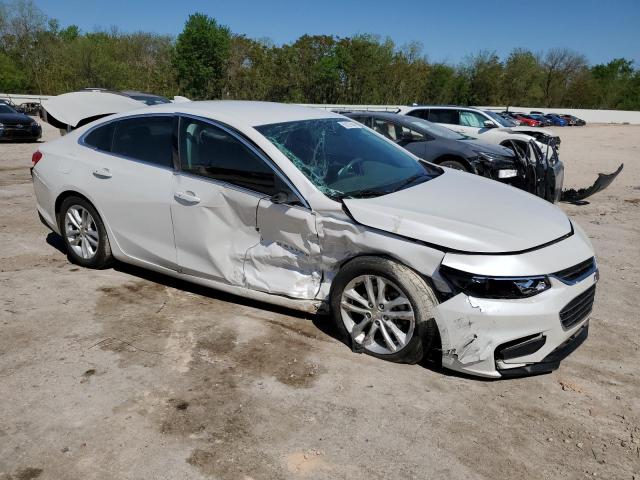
[438,115]
[148,139]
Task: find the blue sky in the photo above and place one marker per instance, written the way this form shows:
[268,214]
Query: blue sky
[448,29]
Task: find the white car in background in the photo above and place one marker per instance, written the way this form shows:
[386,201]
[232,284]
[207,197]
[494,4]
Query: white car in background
[308,209]
[486,125]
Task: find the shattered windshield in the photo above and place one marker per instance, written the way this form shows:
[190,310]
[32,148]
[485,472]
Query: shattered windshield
[343,159]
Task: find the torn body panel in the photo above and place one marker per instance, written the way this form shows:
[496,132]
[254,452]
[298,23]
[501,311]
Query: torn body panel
[342,239]
[603,181]
[286,260]
[205,216]
[471,329]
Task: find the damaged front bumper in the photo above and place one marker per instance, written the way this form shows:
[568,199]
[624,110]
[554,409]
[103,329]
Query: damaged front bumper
[476,332]
[603,181]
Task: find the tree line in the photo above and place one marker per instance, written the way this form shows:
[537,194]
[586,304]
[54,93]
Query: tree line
[208,61]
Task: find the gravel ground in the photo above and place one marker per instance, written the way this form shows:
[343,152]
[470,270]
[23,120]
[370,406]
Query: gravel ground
[126,374]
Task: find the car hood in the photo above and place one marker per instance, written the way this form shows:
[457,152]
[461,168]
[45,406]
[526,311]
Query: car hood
[14,118]
[479,146]
[525,128]
[463,212]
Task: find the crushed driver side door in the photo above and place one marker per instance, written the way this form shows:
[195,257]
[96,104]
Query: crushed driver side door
[286,261]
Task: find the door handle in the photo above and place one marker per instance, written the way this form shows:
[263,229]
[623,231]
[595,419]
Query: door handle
[188,197]
[102,173]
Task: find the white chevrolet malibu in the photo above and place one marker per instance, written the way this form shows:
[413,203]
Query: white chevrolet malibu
[308,209]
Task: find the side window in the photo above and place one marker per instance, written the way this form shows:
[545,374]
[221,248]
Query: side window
[420,113]
[387,129]
[212,152]
[412,134]
[471,119]
[359,118]
[444,115]
[101,137]
[145,138]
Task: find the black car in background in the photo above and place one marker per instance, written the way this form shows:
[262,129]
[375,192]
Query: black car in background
[530,171]
[440,145]
[17,126]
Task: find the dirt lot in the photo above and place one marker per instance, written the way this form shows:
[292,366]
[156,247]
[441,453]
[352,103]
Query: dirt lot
[125,374]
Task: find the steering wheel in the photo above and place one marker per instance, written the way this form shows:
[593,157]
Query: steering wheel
[349,166]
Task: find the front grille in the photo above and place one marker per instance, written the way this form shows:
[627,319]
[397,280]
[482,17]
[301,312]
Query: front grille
[576,273]
[15,133]
[578,309]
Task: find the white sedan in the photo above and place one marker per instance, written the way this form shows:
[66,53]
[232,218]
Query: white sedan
[305,208]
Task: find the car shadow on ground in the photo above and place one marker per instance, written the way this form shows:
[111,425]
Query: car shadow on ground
[322,321]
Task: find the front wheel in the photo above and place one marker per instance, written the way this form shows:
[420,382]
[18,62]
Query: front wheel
[384,309]
[454,164]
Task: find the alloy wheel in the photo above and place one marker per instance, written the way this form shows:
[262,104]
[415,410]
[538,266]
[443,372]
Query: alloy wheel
[81,232]
[377,314]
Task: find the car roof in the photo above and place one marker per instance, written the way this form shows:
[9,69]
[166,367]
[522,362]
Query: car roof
[373,113]
[405,120]
[438,106]
[248,112]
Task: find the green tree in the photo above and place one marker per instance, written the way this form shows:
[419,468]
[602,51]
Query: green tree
[484,71]
[521,83]
[11,78]
[560,66]
[613,80]
[201,57]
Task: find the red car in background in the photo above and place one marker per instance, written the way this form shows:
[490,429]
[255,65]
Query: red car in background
[524,119]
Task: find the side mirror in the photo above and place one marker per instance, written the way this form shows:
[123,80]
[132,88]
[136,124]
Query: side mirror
[284,197]
[489,124]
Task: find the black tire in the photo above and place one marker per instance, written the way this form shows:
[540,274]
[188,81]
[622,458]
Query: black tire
[454,164]
[102,257]
[419,293]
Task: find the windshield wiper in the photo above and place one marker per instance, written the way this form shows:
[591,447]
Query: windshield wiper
[366,193]
[409,181]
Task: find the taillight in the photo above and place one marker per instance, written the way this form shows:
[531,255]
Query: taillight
[35,158]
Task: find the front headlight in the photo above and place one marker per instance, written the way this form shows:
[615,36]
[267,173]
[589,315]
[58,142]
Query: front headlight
[35,124]
[504,165]
[495,287]
[507,173]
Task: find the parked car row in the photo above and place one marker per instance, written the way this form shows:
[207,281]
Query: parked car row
[314,210]
[544,119]
[559,119]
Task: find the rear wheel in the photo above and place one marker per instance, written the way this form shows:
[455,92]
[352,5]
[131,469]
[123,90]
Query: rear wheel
[84,234]
[384,309]
[454,164]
